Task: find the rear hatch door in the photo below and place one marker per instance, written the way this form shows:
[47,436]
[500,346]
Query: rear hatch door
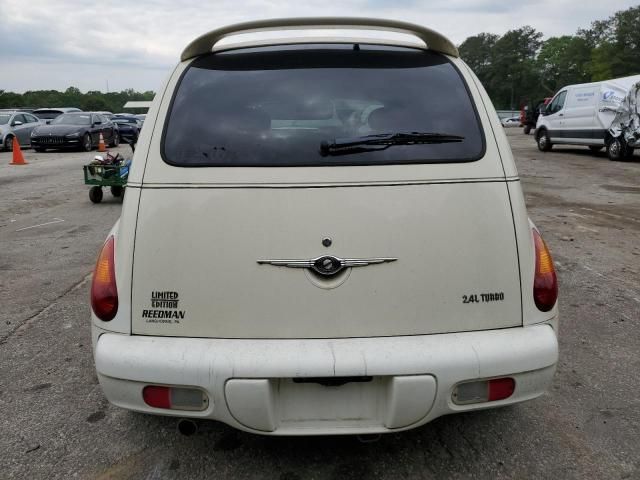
[238,179]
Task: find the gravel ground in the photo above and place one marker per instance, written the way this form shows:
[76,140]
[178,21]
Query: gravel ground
[56,423]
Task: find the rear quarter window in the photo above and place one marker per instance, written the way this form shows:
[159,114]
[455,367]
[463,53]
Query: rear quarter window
[275,107]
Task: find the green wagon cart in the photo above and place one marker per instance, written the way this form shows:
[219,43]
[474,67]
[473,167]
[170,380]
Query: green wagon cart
[98,176]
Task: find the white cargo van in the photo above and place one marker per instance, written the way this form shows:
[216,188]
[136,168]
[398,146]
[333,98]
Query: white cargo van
[323,236]
[582,115]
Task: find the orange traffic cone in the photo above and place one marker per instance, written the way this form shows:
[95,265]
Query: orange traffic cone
[101,146]
[18,159]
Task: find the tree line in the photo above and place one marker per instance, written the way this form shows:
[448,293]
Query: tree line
[73,97]
[516,68]
[520,68]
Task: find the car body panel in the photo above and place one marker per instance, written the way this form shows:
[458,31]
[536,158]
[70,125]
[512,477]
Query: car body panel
[199,233]
[128,127]
[227,230]
[125,364]
[20,125]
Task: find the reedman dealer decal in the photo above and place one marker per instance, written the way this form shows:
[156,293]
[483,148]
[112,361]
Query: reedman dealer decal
[164,308]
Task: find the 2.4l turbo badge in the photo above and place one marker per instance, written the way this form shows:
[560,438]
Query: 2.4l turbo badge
[483,297]
[164,308]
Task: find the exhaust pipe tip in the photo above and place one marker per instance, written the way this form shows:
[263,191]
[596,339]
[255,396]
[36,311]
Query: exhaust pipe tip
[369,438]
[187,427]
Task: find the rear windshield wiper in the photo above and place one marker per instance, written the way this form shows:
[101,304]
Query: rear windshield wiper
[368,143]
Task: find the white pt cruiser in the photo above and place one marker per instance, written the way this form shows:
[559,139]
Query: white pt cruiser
[323,236]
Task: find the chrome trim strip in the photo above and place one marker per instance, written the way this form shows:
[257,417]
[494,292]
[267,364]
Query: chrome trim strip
[372,183]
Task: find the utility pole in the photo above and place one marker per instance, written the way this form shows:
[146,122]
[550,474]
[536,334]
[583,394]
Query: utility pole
[512,95]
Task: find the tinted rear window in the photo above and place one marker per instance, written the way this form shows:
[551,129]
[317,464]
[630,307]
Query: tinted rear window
[47,114]
[275,107]
[72,119]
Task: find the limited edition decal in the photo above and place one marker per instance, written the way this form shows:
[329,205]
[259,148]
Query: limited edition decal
[164,308]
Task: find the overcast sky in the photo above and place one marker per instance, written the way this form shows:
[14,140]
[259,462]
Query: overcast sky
[54,44]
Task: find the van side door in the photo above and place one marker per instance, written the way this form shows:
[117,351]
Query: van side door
[555,115]
[580,116]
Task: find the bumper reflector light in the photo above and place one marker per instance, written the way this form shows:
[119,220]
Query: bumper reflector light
[175,398]
[501,388]
[158,397]
[484,391]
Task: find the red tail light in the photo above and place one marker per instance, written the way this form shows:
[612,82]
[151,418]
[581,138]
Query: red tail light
[545,282]
[104,294]
[175,398]
[501,388]
[158,397]
[481,391]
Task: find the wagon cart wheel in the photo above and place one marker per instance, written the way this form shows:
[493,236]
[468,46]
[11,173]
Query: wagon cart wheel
[116,191]
[95,194]
[527,129]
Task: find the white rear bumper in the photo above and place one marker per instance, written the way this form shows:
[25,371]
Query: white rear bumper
[250,387]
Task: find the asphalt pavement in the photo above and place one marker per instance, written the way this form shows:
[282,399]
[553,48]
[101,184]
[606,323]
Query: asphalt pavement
[56,423]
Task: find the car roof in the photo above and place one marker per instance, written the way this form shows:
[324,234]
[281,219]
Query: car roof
[57,109]
[9,111]
[428,39]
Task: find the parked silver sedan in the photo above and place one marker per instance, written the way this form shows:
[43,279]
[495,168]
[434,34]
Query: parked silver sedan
[511,122]
[16,124]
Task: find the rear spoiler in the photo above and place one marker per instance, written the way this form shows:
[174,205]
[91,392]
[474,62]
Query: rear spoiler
[432,40]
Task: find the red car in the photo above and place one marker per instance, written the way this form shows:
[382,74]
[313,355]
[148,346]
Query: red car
[529,116]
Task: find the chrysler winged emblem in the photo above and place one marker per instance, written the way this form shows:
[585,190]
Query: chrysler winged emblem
[327,265]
